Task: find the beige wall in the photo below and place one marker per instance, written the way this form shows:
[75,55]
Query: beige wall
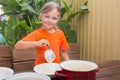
[98,31]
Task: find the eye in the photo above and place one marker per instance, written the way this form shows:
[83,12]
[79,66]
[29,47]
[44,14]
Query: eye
[46,16]
[54,18]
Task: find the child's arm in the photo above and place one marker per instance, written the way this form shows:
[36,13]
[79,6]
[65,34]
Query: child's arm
[20,45]
[64,55]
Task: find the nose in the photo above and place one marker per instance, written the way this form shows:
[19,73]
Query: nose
[49,20]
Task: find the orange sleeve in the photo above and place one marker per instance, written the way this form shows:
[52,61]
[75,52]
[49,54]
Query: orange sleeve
[31,36]
[64,44]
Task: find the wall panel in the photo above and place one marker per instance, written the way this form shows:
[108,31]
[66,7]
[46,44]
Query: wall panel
[98,31]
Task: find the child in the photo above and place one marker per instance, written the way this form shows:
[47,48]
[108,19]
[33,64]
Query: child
[48,34]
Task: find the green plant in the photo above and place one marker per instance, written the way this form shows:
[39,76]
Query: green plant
[64,23]
[24,18]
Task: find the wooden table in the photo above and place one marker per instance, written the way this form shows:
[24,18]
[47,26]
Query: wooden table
[109,70]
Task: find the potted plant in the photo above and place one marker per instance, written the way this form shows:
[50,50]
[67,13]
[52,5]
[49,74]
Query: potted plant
[65,25]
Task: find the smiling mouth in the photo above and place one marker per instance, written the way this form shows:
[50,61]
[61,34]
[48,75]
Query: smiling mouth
[49,24]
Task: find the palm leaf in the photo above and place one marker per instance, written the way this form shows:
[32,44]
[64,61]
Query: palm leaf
[26,6]
[12,32]
[69,18]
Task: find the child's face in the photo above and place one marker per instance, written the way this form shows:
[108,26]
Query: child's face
[50,19]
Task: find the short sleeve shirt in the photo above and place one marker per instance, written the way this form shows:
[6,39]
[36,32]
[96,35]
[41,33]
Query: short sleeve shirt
[57,41]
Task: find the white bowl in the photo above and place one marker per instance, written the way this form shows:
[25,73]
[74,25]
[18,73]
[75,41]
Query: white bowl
[47,68]
[29,76]
[5,72]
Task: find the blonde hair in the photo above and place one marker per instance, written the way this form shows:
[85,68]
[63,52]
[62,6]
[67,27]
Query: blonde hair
[50,6]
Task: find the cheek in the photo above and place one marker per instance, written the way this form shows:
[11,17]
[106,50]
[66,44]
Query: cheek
[43,20]
[55,22]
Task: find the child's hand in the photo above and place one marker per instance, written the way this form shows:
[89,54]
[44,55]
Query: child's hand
[42,42]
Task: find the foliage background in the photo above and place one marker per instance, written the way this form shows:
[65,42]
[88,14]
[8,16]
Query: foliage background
[24,18]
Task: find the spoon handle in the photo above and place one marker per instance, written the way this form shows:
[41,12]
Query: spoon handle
[48,46]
